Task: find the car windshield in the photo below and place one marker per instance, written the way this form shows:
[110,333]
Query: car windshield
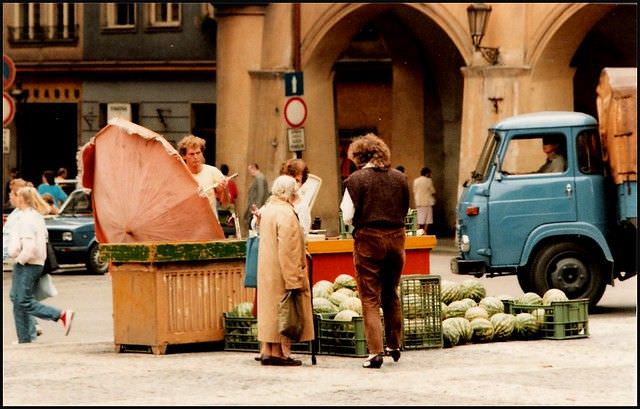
[79,202]
[481,170]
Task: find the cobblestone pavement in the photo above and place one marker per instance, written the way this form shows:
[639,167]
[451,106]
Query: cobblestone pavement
[84,370]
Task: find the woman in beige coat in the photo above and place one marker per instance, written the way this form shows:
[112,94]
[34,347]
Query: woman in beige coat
[281,267]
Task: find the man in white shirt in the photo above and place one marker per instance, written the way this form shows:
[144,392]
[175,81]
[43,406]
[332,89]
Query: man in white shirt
[211,180]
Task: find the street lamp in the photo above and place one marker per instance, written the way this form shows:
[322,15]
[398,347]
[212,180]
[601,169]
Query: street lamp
[478,14]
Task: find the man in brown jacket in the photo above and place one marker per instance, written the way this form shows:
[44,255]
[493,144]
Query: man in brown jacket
[375,202]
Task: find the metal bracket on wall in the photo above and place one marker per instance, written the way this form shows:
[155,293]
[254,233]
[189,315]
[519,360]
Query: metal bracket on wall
[495,101]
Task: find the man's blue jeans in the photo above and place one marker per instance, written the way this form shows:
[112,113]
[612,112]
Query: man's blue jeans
[23,279]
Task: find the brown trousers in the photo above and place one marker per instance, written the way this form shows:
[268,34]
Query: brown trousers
[378,259]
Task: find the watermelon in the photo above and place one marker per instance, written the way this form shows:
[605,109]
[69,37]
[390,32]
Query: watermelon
[242,310]
[345,291]
[457,309]
[345,315]
[351,303]
[473,288]
[539,315]
[525,326]
[492,305]
[464,329]
[413,328]
[344,280]
[553,294]
[476,312]
[322,288]
[450,333]
[443,311]
[337,297]
[411,306]
[450,291]
[482,329]
[529,299]
[323,306]
[469,302]
[503,325]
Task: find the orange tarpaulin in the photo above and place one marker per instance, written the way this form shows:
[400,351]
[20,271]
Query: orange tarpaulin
[142,191]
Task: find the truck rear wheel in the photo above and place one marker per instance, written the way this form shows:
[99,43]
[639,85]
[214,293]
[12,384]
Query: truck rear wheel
[571,268]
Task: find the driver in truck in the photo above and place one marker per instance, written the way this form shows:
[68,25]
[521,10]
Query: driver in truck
[555,161]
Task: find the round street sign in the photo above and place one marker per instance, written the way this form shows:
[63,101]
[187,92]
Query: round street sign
[8,109]
[8,71]
[295,112]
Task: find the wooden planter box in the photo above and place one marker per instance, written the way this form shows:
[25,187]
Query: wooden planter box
[174,293]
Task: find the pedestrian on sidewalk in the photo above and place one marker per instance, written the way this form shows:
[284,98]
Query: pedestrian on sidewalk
[375,202]
[28,247]
[282,268]
[424,197]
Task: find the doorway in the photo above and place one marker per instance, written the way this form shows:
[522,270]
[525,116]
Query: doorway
[48,139]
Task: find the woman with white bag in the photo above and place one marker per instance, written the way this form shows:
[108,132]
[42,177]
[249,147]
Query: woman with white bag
[28,248]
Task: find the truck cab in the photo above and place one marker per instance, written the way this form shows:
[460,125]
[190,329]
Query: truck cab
[552,226]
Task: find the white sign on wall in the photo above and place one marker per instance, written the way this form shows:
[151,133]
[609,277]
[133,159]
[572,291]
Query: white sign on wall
[296,139]
[119,110]
[6,140]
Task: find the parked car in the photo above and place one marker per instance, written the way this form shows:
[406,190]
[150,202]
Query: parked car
[72,233]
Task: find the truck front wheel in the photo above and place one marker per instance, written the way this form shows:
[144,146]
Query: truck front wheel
[571,268]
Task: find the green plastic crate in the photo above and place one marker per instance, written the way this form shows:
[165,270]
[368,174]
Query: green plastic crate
[345,338]
[562,319]
[421,309]
[241,334]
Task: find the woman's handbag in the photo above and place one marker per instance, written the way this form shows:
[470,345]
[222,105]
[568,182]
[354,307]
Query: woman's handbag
[45,288]
[251,264]
[51,262]
[290,322]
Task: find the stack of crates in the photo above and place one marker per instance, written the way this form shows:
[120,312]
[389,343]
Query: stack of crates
[241,334]
[344,338]
[421,310]
[560,320]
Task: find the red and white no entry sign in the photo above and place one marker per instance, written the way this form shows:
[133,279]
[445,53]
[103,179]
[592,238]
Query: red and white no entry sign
[8,109]
[295,112]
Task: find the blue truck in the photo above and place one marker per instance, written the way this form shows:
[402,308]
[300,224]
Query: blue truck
[572,228]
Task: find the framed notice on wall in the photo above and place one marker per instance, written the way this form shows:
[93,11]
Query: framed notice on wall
[119,110]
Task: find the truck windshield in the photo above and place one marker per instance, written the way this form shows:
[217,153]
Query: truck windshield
[479,174]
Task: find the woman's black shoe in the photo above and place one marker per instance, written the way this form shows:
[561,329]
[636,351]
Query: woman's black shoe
[374,361]
[395,353]
[258,358]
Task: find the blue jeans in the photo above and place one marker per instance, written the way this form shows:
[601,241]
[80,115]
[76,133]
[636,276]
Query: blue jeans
[23,279]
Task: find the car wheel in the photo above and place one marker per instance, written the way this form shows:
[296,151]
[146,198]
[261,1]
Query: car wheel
[95,264]
[571,268]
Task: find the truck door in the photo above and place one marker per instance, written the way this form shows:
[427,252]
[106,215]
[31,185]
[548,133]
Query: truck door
[531,188]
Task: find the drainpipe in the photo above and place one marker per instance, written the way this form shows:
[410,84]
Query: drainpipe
[295,37]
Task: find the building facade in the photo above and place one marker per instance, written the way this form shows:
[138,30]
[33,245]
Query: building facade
[410,73]
[407,71]
[151,63]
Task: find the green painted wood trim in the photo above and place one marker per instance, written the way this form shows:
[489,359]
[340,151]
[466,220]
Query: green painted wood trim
[171,252]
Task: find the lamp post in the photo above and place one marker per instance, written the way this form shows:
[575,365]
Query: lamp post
[478,14]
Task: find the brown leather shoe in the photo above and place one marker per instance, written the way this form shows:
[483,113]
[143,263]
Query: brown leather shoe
[280,361]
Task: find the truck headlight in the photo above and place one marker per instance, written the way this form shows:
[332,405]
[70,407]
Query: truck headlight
[464,244]
[67,236]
